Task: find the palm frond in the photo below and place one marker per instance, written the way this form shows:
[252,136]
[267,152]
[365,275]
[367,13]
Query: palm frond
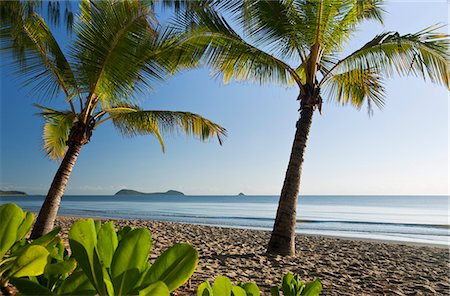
[113,41]
[276,25]
[340,25]
[369,10]
[36,53]
[229,54]
[183,6]
[142,122]
[167,55]
[56,131]
[57,11]
[424,54]
[356,87]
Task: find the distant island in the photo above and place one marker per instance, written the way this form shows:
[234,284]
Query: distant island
[12,193]
[134,192]
[241,194]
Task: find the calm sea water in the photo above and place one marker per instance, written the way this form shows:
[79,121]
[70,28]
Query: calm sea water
[419,219]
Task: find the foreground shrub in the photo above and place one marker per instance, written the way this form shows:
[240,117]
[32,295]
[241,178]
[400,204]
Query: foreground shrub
[18,258]
[107,262]
[291,285]
[116,263]
[222,287]
[103,261]
[45,261]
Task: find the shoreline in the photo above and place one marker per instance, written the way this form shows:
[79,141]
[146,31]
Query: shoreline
[345,266]
[372,240]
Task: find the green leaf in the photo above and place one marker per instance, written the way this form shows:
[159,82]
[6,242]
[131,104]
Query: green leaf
[274,291]
[108,283]
[45,240]
[77,284]
[98,225]
[58,251]
[174,267]
[54,247]
[238,291]
[313,288]
[222,286]
[205,289]
[11,216]
[31,261]
[83,240]
[107,243]
[61,267]
[25,227]
[251,289]
[155,289]
[28,287]
[287,285]
[123,231]
[130,259]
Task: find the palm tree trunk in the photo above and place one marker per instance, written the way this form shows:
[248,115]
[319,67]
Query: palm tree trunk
[47,215]
[282,240]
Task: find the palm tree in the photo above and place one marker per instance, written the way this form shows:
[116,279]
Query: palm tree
[118,51]
[300,42]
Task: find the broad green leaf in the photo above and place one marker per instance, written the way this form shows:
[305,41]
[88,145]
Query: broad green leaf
[28,287]
[141,279]
[174,267]
[59,251]
[155,289]
[108,283]
[130,259]
[123,231]
[61,267]
[11,216]
[313,288]
[98,225]
[54,246]
[286,284]
[107,243]
[25,227]
[77,284]
[238,291]
[31,261]
[222,286]
[45,240]
[83,240]
[274,291]
[251,289]
[205,289]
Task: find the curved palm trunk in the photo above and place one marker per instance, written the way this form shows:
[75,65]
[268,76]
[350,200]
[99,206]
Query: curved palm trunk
[282,240]
[47,215]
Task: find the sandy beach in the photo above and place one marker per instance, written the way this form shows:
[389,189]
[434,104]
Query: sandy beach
[346,267]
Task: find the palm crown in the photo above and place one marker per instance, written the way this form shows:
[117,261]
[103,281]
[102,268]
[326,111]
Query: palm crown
[118,52]
[301,42]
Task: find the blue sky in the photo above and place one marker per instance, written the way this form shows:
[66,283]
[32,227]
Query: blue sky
[402,149]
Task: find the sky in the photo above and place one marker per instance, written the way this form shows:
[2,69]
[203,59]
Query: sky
[400,150]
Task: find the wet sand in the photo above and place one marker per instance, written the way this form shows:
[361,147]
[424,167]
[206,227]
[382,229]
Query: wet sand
[345,267]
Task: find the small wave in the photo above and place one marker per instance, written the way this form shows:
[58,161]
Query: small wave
[440,226]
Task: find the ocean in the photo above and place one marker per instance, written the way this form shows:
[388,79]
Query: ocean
[416,219]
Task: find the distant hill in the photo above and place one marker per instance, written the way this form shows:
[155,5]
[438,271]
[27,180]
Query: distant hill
[12,193]
[241,194]
[134,192]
